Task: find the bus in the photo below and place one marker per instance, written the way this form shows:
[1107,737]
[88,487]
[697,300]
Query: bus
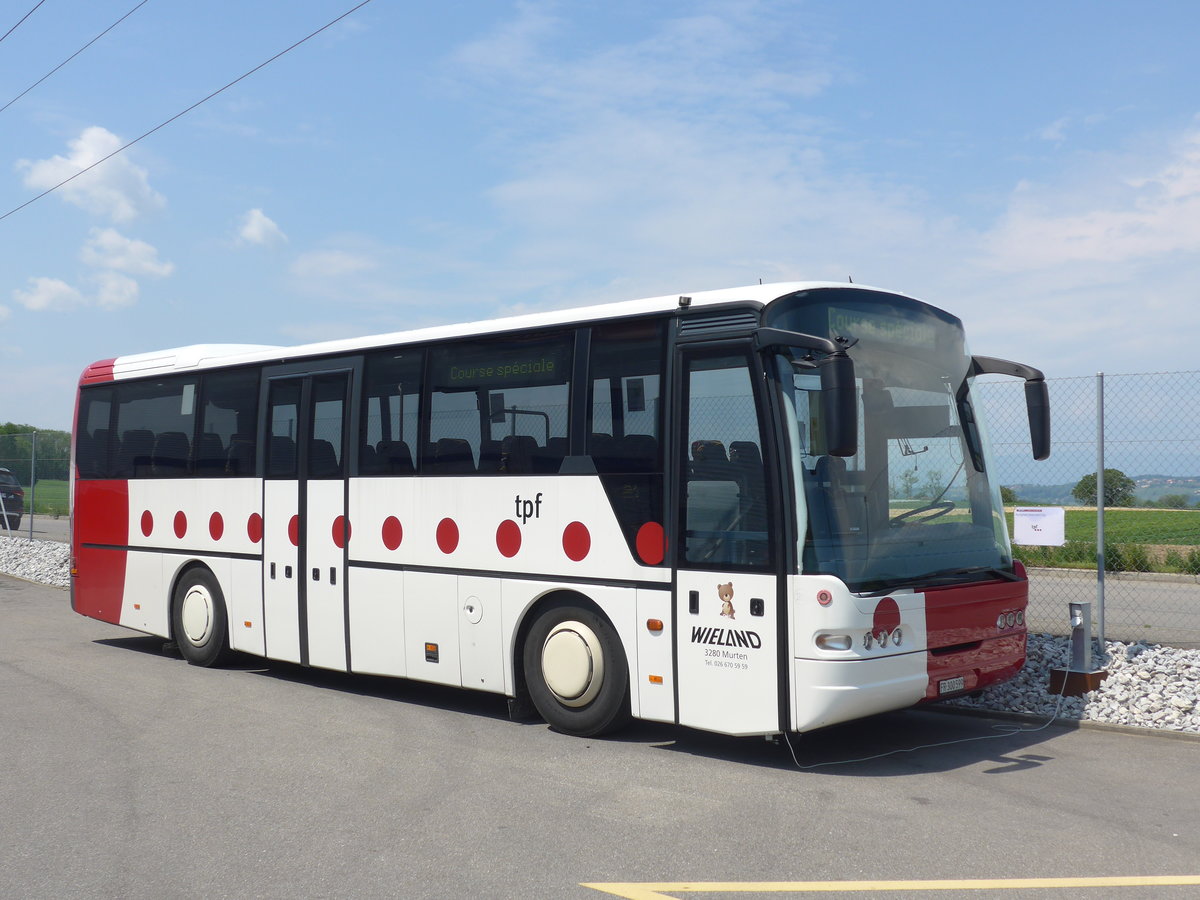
[748,511]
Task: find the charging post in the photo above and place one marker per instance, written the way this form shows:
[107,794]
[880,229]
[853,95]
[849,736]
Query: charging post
[1081,677]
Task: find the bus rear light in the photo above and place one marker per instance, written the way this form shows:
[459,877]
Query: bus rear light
[897,637]
[834,641]
[1020,618]
[654,625]
[431,653]
[1000,621]
[824,598]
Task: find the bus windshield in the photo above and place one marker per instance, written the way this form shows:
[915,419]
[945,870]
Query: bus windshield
[915,506]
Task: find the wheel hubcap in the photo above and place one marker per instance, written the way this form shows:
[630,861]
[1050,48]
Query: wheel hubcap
[197,615]
[573,663]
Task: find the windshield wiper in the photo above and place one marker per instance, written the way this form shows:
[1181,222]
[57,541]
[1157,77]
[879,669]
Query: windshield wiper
[941,576]
[944,575]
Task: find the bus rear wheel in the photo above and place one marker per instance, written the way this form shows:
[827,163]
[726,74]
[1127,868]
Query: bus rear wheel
[576,672]
[199,622]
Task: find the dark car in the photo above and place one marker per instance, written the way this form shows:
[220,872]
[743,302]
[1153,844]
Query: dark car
[13,496]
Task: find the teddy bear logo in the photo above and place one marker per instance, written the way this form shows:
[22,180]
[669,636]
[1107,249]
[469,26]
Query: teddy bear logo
[725,592]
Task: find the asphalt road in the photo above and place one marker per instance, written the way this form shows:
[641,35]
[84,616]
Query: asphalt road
[127,773]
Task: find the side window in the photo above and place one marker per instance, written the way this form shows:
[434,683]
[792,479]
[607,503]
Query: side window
[326,444]
[155,424]
[283,420]
[724,497]
[391,395]
[624,428]
[94,437]
[225,444]
[499,406]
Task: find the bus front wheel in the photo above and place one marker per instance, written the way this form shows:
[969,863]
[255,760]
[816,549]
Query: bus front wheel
[199,622]
[576,672]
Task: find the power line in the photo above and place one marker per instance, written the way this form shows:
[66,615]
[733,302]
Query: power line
[23,18]
[73,55]
[180,115]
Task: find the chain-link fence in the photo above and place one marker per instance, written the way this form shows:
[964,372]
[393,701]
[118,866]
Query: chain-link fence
[34,472]
[1148,429]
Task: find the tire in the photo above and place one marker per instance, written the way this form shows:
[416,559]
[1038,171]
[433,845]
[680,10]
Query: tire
[14,522]
[576,672]
[199,623]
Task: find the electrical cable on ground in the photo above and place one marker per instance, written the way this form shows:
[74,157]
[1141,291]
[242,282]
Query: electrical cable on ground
[73,55]
[180,115]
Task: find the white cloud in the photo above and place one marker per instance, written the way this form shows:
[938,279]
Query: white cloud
[117,189]
[106,248]
[257,228]
[48,294]
[114,290]
[5,312]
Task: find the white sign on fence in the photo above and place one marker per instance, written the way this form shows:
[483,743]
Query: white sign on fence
[1043,526]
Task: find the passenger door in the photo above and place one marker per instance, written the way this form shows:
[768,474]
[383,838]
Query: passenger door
[727,585]
[305,530]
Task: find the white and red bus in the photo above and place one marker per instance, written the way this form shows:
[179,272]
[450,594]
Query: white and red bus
[749,511]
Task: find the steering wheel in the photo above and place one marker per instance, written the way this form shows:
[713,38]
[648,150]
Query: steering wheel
[936,510]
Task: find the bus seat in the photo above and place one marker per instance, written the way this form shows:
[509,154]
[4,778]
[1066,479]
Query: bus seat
[208,455]
[452,456]
[281,455]
[516,452]
[137,454]
[171,452]
[638,452]
[240,458]
[322,460]
[394,458]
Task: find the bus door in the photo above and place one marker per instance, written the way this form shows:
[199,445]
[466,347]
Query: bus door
[305,530]
[726,581]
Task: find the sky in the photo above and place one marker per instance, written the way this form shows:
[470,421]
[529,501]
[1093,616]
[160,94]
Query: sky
[1032,167]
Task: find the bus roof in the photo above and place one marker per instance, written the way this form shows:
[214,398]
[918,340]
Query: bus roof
[204,356]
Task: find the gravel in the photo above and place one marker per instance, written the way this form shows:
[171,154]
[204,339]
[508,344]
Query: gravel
[1148,685]
[41,561]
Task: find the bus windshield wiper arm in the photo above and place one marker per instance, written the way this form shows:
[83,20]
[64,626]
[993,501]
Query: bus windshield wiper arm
[971,570]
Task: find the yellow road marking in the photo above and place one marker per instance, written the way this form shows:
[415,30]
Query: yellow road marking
[663,890]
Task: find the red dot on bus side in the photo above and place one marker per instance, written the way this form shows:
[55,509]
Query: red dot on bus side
[294,530]
[147,523]
[393,533]
[651,543]
[216,526]
[180,524]
[508,538]
[447,535]
[887,615]
[254,529]
[341,531]
[576,541]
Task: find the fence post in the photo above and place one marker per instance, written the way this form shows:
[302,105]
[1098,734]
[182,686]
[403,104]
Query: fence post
[32,479]
[1100,566]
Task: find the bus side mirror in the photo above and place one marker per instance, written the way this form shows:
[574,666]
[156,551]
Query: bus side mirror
[1037,404]
[1037,397]
[839,404]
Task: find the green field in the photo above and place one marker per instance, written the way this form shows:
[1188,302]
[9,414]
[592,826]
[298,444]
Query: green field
[51,498]
[1173,527]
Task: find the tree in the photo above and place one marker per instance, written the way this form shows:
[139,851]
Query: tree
[1173,501]
[1008,496]
[1118,489]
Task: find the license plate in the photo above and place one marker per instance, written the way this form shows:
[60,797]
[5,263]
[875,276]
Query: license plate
[952,685]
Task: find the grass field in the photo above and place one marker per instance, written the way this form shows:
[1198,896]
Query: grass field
[1174,527]
[51,498]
